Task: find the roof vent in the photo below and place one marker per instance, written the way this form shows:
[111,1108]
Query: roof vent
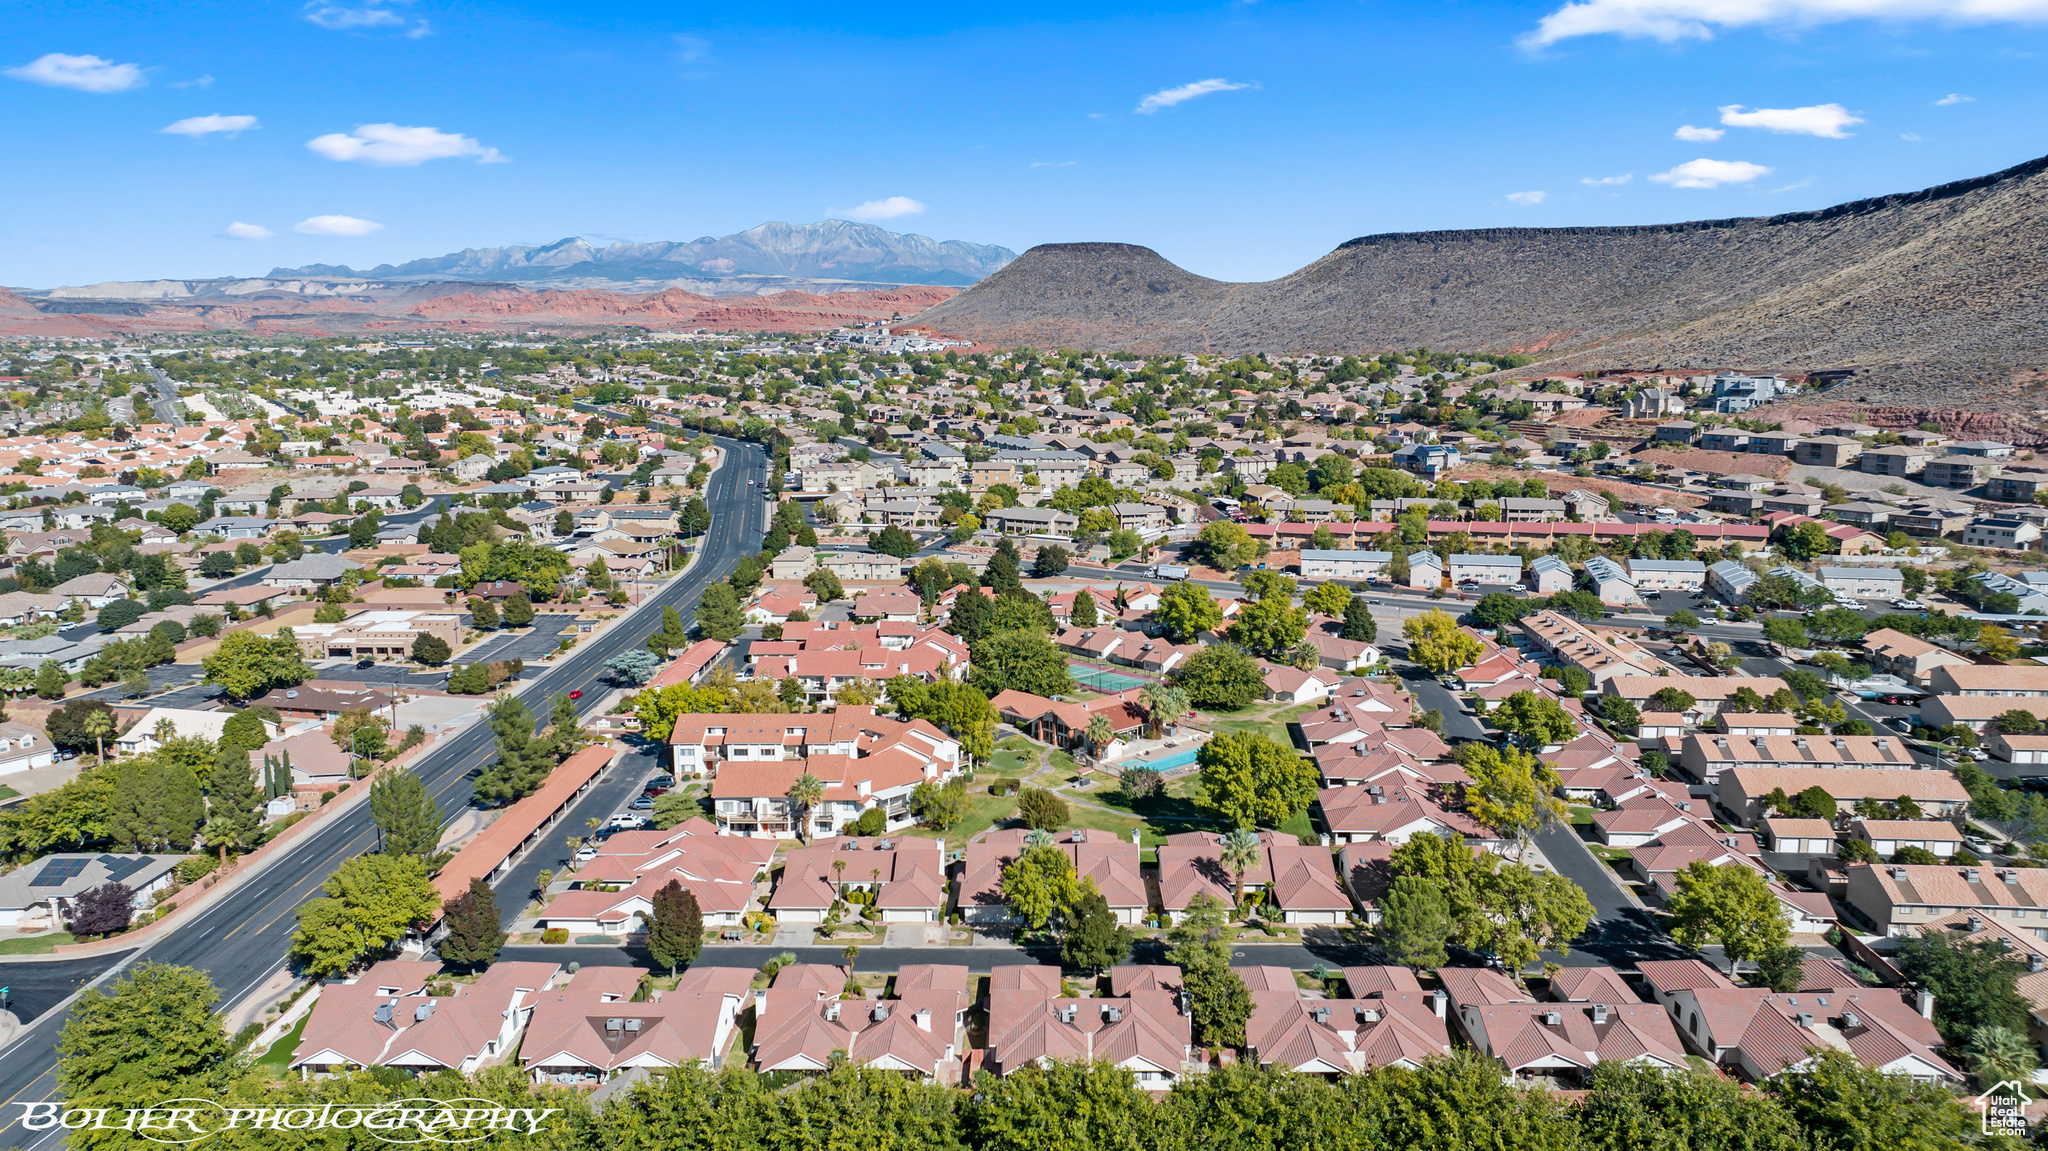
[291,695]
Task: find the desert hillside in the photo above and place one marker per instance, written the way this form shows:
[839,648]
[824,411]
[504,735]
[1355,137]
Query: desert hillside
[1930,295]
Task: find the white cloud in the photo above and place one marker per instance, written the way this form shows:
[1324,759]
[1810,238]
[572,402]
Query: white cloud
[1699,135]
[336,226]
[1168,97]
[200,82]
[888,209]
[81,73]
[1911,137]
[340,17]
[1816,120]
[1527,197]
[199,127]
[1607,181]
[240,231]
[1953,98]
[690,49]
[1054,163]
[392,145]
[1710,173]
[1672,20]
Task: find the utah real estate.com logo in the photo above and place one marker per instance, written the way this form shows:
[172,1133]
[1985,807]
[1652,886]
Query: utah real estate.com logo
[2004,1109]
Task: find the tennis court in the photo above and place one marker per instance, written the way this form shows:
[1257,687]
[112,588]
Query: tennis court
[1095,679]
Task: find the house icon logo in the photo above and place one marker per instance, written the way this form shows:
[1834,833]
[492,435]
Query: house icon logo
[2004,1109]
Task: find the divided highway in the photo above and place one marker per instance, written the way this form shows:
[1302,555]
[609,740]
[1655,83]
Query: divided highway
[242,939]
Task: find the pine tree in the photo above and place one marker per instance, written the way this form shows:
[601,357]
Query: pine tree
[671,636]
[518,610]
[1083,614]
[523,762]
[675,932]
[970,616]
[474,936]
[482,614]
[231,818]
[718,612]
[568,733]
[131,812]
[408,816]
[184,807]
[1002,569]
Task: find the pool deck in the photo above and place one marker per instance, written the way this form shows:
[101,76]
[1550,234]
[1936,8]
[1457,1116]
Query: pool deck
[1151,752]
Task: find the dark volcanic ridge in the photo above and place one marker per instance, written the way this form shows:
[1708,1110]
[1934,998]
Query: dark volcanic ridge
[1929,296]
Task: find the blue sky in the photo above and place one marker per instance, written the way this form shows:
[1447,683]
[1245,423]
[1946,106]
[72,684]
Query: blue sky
[349,132]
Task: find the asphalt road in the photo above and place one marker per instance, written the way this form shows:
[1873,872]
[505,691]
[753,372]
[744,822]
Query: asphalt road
[242,940]
[608,796]
[166,401]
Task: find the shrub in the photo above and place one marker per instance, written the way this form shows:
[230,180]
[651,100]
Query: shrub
[555,935]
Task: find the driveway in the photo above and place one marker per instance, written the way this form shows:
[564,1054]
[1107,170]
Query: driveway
[1459,724]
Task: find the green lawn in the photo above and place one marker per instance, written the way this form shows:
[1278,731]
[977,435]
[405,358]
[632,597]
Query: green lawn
[1012,762]
[35,945]
[278,1059]
[1581,816]
[7,792]
[1300,826]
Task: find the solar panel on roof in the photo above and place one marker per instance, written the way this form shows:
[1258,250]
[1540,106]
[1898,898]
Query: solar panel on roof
[57,872]
[119,869]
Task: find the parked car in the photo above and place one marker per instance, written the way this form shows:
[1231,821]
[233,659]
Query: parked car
[662,781]
[1896,698]
[586,854]
[1909,605]
[1899,723]
[641,803]
[1978,845]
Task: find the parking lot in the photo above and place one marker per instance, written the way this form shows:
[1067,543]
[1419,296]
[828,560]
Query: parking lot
[530,644]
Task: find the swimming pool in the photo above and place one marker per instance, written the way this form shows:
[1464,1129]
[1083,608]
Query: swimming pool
[1178,757]
[1096,679]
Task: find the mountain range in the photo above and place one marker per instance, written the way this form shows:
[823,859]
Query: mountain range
[1927,298]
[825,254]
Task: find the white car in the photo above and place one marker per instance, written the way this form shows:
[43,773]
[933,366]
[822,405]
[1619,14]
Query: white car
[1909,605]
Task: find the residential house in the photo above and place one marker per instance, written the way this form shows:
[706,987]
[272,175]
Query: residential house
[1109,860]
[1743,785]
[1141,1026]
[390,1017]
[598,1027]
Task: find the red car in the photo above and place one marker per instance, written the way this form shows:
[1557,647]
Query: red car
[577,694]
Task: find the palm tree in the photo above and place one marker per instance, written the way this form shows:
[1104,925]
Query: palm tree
[851,952]
[1997,1054]
[1240,853]
[1038,837]
[1100,734]
[806,793]
[1164,704]
[839,876]
[99,725]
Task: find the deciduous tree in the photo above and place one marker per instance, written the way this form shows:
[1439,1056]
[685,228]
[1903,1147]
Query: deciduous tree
[1730,905]
[1249,780]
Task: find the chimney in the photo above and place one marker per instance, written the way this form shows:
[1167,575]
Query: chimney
[1436,1002]
[923,1019]
[1599,1013]
[1923,1002]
